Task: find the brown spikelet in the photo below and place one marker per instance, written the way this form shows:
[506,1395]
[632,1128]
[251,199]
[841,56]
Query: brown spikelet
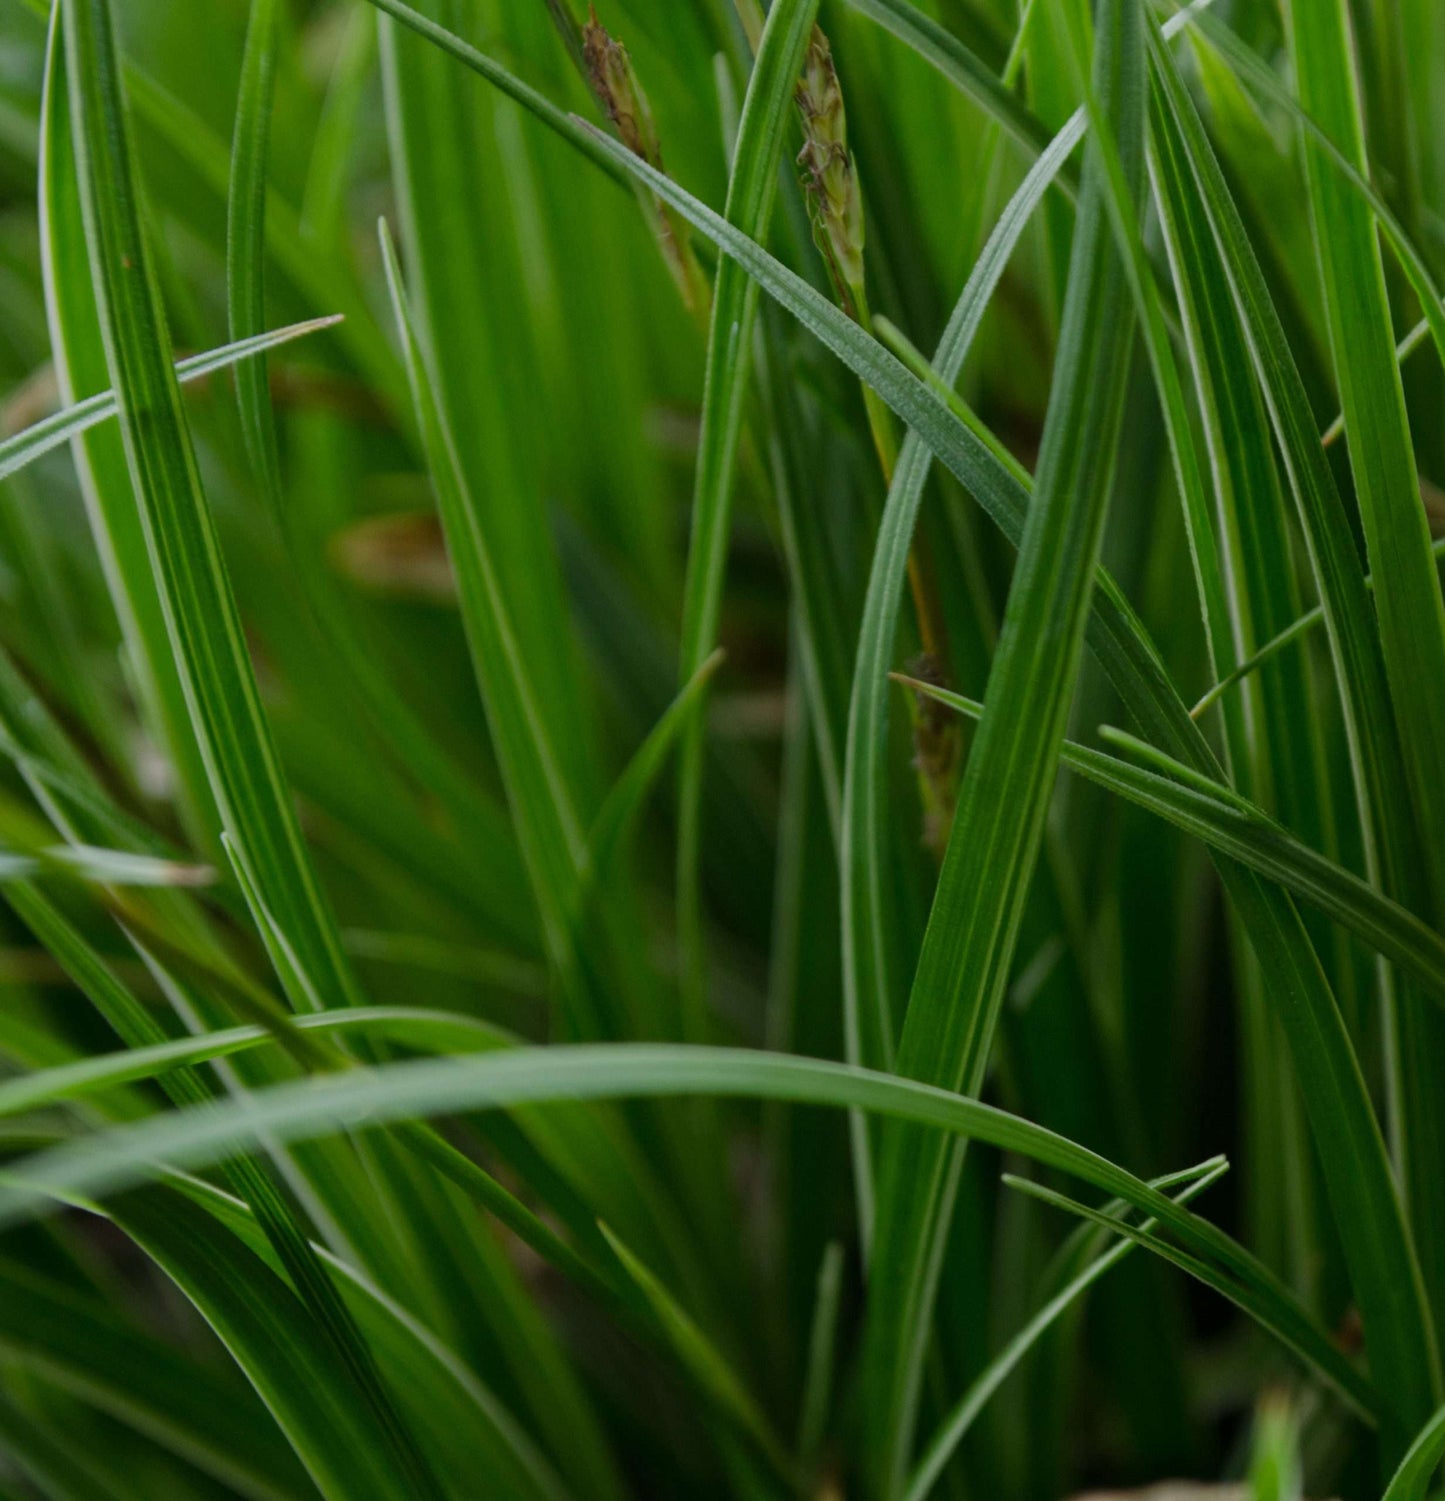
[937,755]
[615,82]
[619,91]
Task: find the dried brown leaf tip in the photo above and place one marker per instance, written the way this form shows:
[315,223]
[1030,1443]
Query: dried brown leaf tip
[828,175]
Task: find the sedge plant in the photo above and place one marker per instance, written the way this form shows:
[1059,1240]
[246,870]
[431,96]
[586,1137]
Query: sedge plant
[721,744]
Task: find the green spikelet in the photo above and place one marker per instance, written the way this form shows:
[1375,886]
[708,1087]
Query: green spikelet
[828,174]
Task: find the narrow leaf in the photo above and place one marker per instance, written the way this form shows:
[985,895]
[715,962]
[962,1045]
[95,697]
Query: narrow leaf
[967,951]
[1215,813]
[50,432]
[125,1157]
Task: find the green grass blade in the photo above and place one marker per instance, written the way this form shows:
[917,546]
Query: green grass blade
[551,1391]
[145,1057]
[820,599]
[1252,520]
[1397,1295]
[246,248]
[1403,350]
[1204,550]
[1188,472]
[60,1469]
[323,199]
[426,1031]
[126,1157]
[964,453]
[1332,553]
[862,856]
[714,1377]
[751,188]
[246,235]
[1408,604]
[822,1354]
[320,277]
[965,1412]
[478,1184]
[60,427]
[1346,164]
[1215,813]
[1283,764]
[997,831]
[553,841]
[1292,632]
[277,1343]
[171,1061]
[185,1088]
[533,738]
[1411,1481]
[623,805]
[552,837]
[210,1418]
[458,265]
[123,1012]
[189,576]
[1275,1469]
[1244,1296]
[103,867]
[188,573]
[464,1425]
[83,368]
[536,104]
[966,71]
[972,77]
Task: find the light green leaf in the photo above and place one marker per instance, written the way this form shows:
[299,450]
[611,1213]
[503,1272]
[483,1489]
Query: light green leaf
[751,188]
[1411,1481]
[1385,1270]
[50,432]
[549,826]
[1215,813]
[187,571]
[1408,605]
[967,953]
[1292,632]
[123,1158]
[458,267]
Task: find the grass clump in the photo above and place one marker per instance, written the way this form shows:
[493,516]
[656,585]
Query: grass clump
[547,950]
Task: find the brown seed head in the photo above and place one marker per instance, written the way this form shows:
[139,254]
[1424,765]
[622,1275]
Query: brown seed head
[610,72]
[828,175]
